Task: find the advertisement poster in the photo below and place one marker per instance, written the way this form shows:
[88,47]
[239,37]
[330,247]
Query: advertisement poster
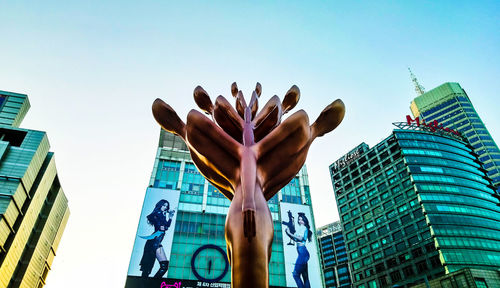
[153,242]
[299,245]
[138,282]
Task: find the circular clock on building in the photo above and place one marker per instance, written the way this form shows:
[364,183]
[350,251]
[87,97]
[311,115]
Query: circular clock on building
[209,263]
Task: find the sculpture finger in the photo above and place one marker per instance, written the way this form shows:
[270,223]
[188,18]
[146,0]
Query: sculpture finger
[168,119]
[254,104]
[268,118]
[258,89]
[240,104]
[203,100]
[221,183]
[284,142]
[295,130]
[285,175]
[234,89]
[329,119]
[213,146]
[228,119]
[291,99]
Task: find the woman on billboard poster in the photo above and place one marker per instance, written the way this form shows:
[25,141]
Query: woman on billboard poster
[160,219]
[302,235]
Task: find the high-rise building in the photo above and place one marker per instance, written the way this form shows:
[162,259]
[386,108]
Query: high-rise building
[415,207]
[449,104]
[334,256]
[33,206]
[465,277]
[182,241]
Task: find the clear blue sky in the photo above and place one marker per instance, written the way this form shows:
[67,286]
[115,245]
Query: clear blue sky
[92,70]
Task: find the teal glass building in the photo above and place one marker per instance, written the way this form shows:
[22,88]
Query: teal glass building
[334,256]
[450,105]
[33,208]
[416,207]
[197,253]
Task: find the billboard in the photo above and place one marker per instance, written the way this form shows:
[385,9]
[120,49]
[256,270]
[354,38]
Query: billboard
[299,246]
[138,282]
[155,232]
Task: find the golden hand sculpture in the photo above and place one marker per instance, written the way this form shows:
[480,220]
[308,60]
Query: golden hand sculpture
[249,157]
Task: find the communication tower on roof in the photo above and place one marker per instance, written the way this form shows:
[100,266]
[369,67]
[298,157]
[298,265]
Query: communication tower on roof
[418,88]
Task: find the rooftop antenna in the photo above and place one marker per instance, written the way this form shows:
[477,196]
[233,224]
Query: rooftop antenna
[418,88]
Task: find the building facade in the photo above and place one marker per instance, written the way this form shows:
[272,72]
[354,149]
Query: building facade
[334,256]
[33,206]
[194,241]
[466,277]
[417,206]
[449,104]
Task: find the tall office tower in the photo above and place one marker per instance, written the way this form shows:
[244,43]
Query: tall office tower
[180,237]
[449,104]
[334,256]
[415,207]
[33,206]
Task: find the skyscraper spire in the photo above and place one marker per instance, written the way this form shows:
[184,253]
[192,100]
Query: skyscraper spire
[418,88]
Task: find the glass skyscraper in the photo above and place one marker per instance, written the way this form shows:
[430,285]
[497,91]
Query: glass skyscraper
[33,206]
[194,241]
[450,105]
[415,207]
[334,256]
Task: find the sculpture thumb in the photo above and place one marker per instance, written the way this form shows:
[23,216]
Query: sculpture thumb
[168,119]
[329,119]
